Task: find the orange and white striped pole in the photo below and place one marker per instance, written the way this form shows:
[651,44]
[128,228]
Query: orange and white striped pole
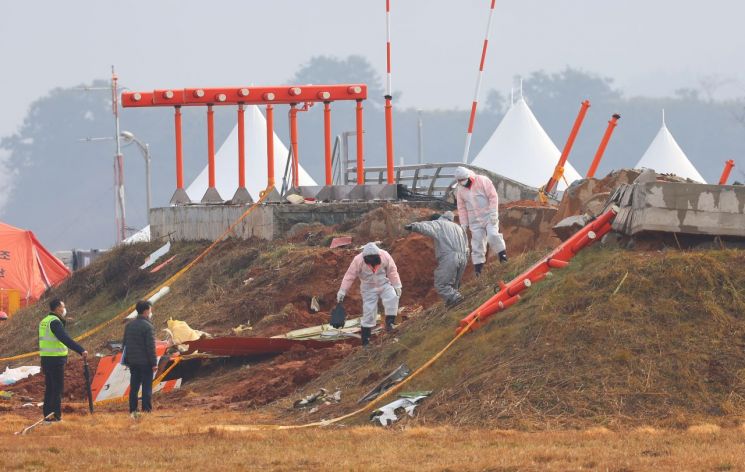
[471,121]
[388,97]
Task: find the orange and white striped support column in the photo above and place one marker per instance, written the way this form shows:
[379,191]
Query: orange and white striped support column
[179,150]
[211,195]
[211,145]
[360,145]
[179,196]
[474,105]
[270,146]
[241,146]
[294,145]
[241,193]
[327,140]
[388,98]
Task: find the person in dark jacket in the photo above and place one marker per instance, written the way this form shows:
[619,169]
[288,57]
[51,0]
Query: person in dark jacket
[139,356]
[54,343]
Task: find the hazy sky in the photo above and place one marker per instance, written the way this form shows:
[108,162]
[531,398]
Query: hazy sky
[651,47]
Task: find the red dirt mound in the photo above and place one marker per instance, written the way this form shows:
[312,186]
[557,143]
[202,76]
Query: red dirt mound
[263,383]
[33,387]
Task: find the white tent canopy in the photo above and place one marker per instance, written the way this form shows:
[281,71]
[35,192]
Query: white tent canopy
[521,150]
[665,156]
[226,162]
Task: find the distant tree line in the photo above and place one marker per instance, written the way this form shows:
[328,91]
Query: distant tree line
[63,189]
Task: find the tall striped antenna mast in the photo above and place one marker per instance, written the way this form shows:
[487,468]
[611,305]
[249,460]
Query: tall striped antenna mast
[388,96]
[471,121]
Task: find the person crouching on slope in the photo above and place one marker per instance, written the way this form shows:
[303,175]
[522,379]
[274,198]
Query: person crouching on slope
[478,209]
[451,251]
[378,280]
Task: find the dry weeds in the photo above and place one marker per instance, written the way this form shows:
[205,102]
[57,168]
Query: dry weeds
[170,440]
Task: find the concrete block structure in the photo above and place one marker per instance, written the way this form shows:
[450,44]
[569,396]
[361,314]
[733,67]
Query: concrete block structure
[268,221]
[677,207]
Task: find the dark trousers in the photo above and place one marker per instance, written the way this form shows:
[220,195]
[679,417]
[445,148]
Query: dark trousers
[54,384]
[140,376]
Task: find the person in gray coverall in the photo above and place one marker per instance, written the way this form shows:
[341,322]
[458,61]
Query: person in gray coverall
[451,251]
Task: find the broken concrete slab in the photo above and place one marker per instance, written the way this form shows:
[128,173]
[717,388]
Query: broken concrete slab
[570,225]
[675,207]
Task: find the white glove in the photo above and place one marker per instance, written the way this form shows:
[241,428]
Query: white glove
[493,218]
[340,296]
[398,291]
[465,228]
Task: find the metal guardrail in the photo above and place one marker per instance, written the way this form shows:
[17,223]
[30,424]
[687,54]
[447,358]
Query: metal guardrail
[438,179]
[430,179]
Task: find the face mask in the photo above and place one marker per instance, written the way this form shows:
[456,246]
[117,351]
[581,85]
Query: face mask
[150,316]
[64,312]
[372,260]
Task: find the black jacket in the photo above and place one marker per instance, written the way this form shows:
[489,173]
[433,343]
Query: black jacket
[139,343]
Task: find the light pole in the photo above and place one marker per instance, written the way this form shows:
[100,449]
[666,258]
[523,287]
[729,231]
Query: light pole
[129,138]
[420,137]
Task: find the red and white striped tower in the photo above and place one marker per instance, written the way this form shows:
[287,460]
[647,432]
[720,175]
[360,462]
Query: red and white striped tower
[478,85]
[388,97]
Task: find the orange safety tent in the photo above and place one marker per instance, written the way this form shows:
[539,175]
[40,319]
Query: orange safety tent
[25,265]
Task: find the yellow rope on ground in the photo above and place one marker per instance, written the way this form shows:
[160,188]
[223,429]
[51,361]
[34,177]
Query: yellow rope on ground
[368,407]
[168,282]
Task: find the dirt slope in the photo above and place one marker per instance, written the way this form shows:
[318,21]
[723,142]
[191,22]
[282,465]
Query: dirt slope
[667,349]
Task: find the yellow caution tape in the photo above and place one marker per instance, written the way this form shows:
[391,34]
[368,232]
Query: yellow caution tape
[168,282]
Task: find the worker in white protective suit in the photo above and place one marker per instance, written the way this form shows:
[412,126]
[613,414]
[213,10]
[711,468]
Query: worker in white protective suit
[478,209]
[451,251]
[378,280]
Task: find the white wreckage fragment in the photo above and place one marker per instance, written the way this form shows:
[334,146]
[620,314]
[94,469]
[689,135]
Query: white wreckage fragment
[387,413]
[162,251]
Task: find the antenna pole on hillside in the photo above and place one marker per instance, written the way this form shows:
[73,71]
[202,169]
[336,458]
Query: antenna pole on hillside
[471,121]
[118,164]
[119,210]
[388,97]
[420,136]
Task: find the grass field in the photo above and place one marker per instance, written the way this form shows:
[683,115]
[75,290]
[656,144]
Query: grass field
[178,440]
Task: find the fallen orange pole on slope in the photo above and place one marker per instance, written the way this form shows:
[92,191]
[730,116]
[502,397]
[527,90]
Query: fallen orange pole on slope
[509,294]
[725,173]
[603,144]
[559,171]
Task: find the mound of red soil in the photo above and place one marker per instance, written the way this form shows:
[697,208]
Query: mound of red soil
[33,387]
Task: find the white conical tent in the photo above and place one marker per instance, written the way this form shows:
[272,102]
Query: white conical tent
[226,162]
[521,150]
[665,156]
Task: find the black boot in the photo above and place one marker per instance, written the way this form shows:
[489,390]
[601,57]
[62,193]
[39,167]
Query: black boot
[365,333]
[477,268]
[389,323]
[503,257]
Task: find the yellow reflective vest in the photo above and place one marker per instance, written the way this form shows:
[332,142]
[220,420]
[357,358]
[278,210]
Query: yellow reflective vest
[49,345]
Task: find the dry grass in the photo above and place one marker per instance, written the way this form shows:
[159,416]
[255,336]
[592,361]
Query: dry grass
[170,440]
[665,351]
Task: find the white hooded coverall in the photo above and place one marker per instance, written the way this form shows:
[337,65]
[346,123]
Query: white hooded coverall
[374,284]
[478,209]
[451,251]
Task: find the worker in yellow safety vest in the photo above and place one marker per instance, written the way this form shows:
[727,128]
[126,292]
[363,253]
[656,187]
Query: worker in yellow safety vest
[54,343]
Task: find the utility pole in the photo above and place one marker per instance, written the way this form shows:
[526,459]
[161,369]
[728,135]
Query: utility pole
[119,208]
[121,215]
[420,136]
